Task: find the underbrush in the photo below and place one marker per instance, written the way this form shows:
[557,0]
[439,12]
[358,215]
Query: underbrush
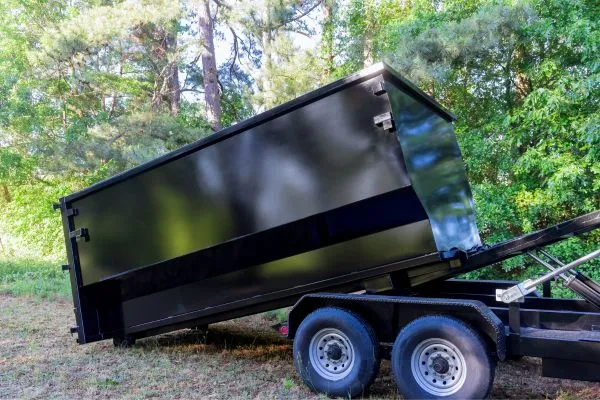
[39,279]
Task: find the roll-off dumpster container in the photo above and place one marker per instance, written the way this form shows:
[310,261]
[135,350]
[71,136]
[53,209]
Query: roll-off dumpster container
[360,178]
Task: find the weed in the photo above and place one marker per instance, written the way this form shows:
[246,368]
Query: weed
[107,383]
[287,383]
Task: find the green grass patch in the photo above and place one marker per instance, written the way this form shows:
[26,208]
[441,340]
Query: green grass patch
[107,383]
[279,315]
[39,279]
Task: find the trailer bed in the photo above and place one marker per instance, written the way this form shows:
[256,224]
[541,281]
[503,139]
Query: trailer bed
[564,333]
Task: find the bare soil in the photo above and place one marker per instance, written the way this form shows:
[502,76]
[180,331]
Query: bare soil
[241,358]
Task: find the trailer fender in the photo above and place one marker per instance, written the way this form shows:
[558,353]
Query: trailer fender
[389,314]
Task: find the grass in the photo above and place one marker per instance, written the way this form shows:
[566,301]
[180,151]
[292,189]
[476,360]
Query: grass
[34,278]
[237,359]
[242,358]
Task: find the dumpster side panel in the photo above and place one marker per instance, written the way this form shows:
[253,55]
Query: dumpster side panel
[375,214]
[436,169]
[285,276]
[323,155]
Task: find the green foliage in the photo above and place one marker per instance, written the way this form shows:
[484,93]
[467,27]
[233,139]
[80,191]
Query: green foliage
[87,90]
[299,73]
[34,278]
[288,384]
[28,225]
[279,315]
[84,95]
[522,80]
[96,27]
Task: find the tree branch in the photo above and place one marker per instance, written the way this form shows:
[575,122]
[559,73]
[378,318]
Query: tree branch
[297,17]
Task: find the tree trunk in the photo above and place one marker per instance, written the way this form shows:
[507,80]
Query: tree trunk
[508,83]
[166,81]
[328,36]
[172,77]
[522,81]
[209,65]
[367,49]
[159,52]
[6,194]
[267,59]
[367,37]
[267,36]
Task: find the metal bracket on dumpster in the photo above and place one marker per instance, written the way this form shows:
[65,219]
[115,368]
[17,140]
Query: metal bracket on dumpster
[519,291]
[79,234]
[379,89]
[71,212]
[385,121]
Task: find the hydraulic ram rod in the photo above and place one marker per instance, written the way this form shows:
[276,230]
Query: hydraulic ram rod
[566,278]
[517,292]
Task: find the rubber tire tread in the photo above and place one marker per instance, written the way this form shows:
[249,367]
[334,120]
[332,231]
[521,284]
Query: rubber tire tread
[478,384]
[366,352]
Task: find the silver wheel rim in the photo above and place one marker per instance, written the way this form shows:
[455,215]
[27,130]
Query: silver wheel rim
[331,354]
[438,367]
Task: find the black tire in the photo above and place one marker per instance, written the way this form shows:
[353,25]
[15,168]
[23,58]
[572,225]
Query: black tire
[458,367]
[363,348]
[123,341]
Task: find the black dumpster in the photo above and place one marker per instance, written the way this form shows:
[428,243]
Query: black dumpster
[359,179]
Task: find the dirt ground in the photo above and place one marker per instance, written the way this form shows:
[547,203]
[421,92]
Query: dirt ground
[242,358]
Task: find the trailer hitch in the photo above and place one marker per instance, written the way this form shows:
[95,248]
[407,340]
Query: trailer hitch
[518,292]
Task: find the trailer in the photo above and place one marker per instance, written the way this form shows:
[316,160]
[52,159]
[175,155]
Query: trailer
[350,203]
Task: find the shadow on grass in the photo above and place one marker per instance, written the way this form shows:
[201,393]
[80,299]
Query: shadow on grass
[218,338]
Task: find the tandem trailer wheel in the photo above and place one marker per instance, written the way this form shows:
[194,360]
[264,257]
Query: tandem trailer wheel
[441,357]
[336,352]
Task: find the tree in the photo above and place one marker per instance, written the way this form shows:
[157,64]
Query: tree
[91,88]
[328,29]
[88,91]
[268,26]
[212,95]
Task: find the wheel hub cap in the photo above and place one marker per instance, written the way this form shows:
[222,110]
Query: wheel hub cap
[331,354]
[334,352]
[438,367]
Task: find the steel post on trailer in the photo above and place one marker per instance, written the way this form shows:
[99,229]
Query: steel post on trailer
[514,326]
[518,292]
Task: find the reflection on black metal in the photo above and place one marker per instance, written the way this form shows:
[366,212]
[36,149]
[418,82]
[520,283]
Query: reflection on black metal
[362,173]
[436,170]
